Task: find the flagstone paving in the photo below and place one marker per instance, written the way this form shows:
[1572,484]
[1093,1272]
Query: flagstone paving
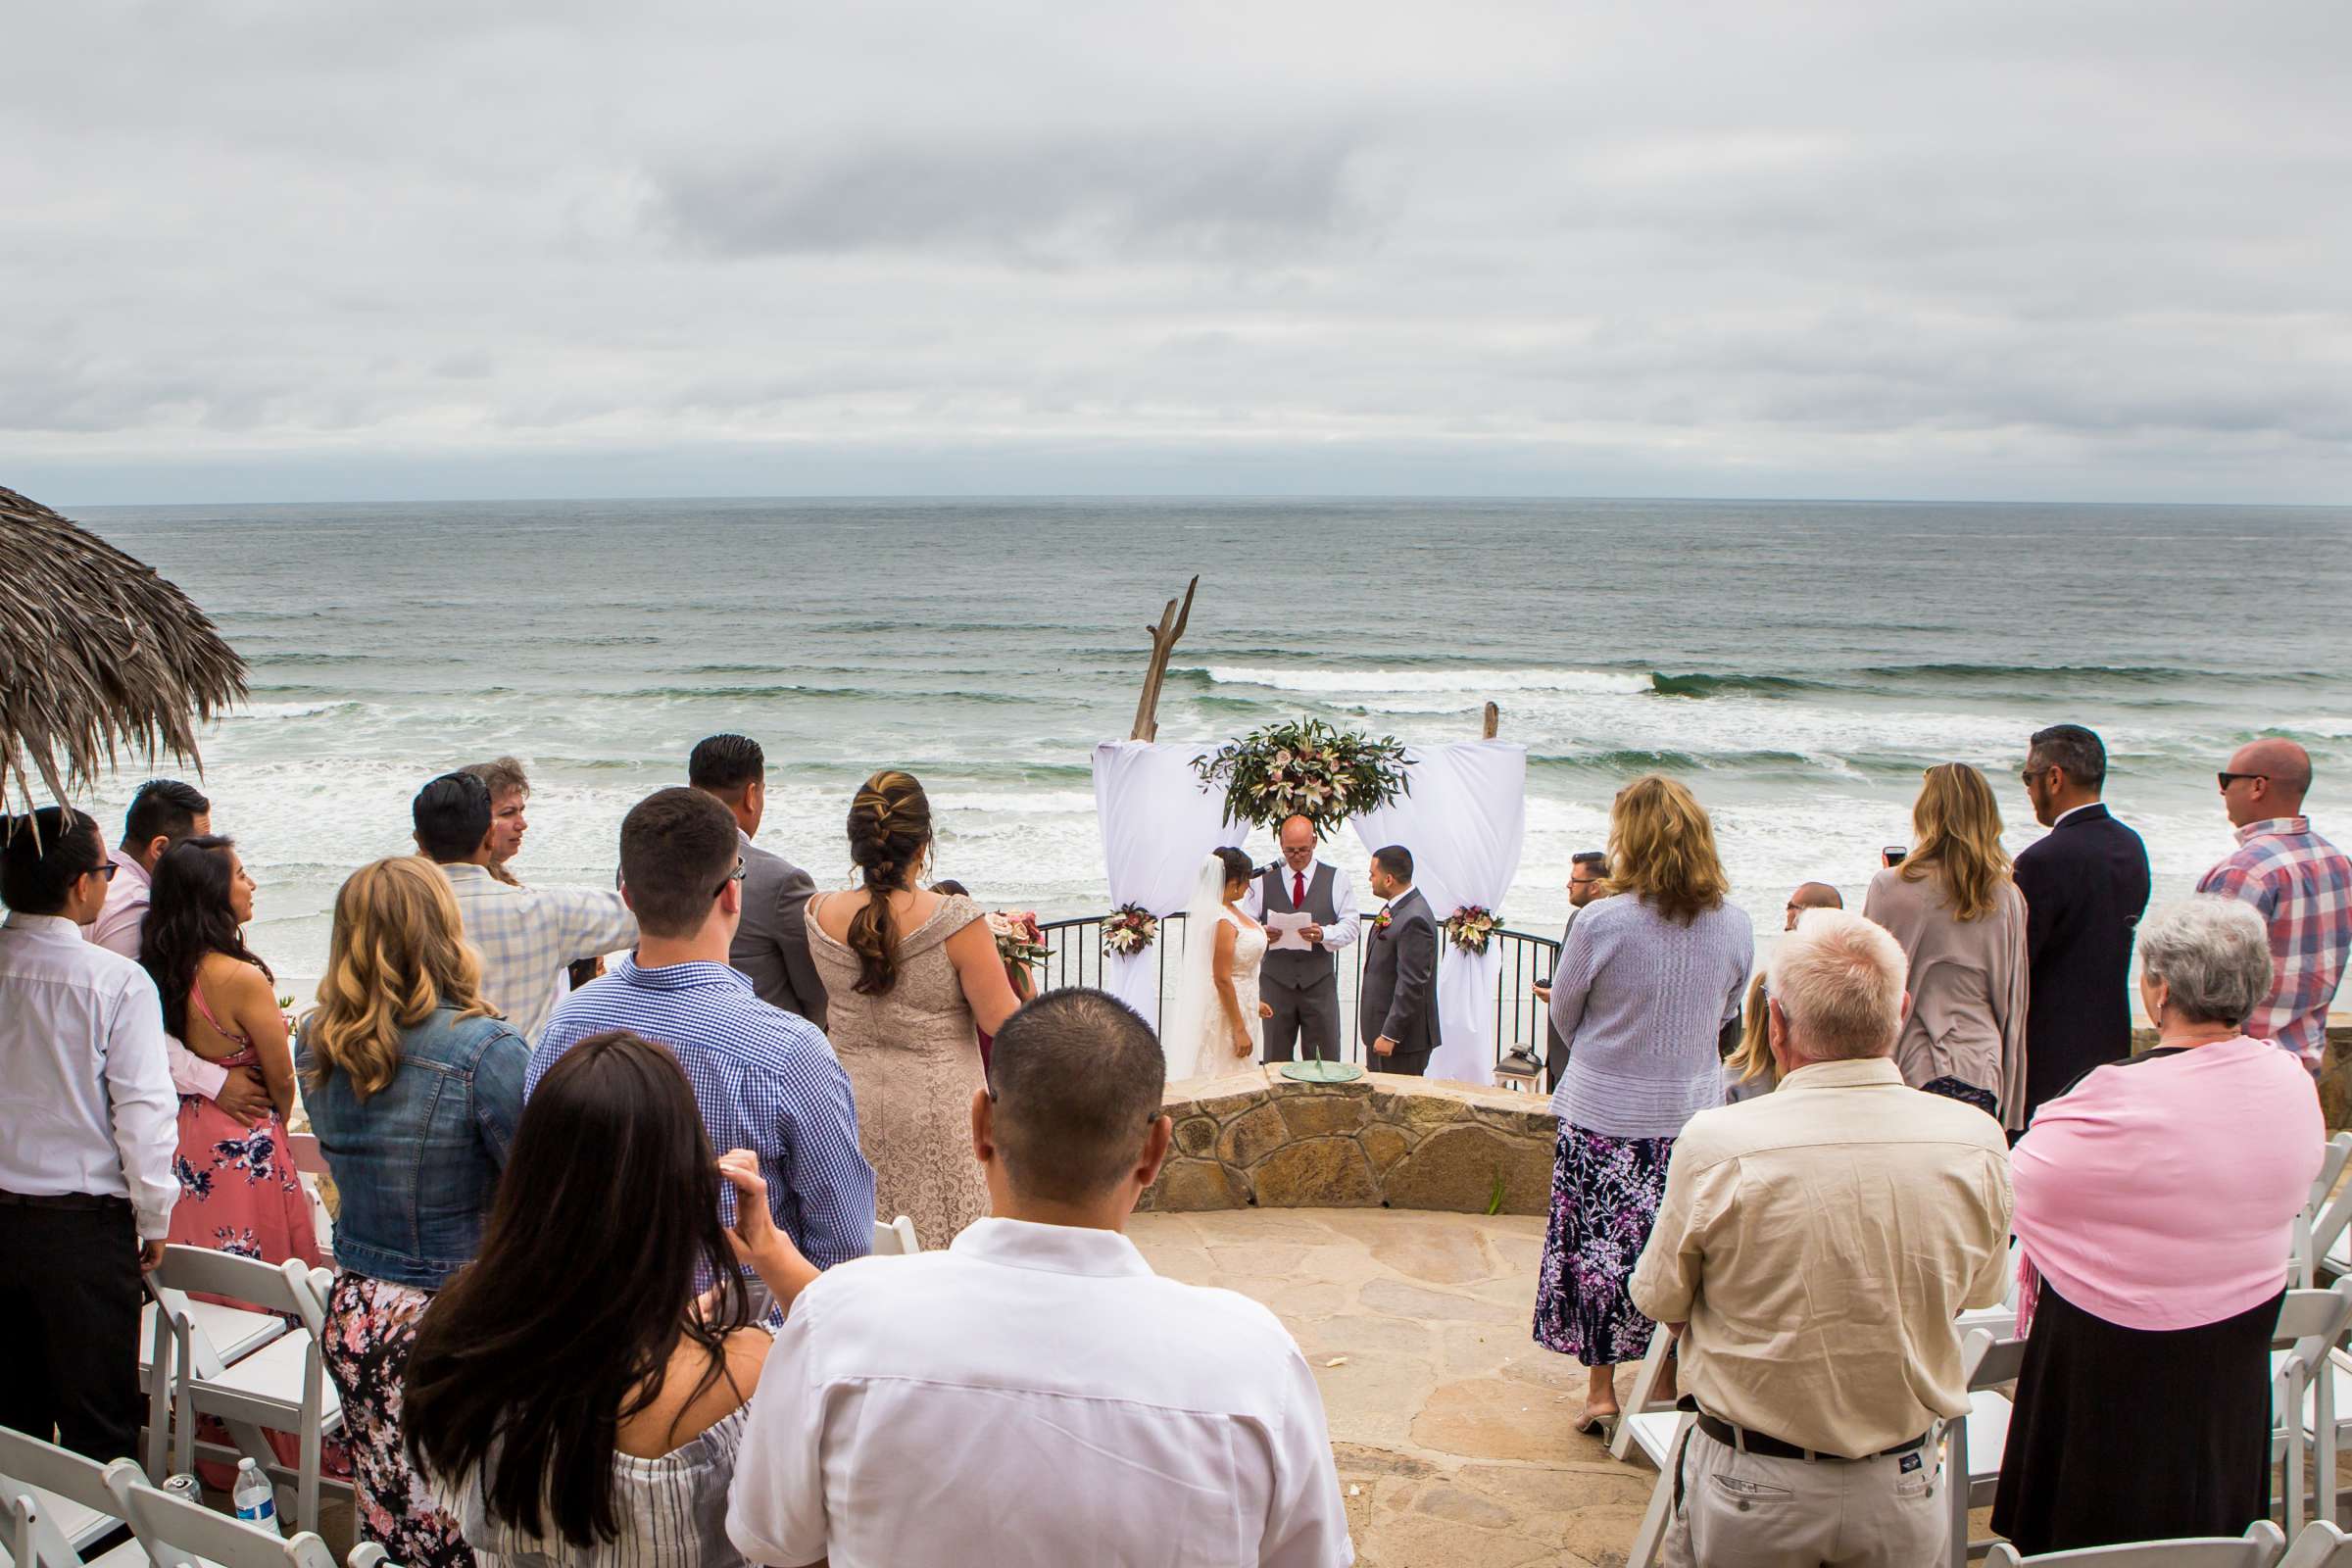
[1453,1431]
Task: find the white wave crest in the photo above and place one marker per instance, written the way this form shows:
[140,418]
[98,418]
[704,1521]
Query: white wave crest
[1469,683]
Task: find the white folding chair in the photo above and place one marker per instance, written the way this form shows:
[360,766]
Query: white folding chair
[217,1336]
[1973,1442]
[368,1554]
[894,1238]
[281,1386]
[177,1534]
[2303,1390]
[2258,1548]
[2000,1320]
[1659,1435]
[1643,1398]
[310,1163]
[2319,1545]
[60,1504]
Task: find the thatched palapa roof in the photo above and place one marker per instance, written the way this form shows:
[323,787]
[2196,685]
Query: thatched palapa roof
[98,655]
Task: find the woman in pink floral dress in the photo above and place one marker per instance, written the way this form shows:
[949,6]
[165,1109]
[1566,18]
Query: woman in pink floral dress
[238,1191]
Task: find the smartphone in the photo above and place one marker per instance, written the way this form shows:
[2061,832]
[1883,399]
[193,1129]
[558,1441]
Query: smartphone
[1894,852]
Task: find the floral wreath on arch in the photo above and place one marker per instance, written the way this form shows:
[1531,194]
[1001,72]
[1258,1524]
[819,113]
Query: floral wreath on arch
[1128,930]
[1471,927]
[1306,767]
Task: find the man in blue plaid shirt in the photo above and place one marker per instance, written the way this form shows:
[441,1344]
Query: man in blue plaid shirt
[767,1079]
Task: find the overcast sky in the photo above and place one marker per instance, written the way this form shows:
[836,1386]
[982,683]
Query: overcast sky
[1997,249]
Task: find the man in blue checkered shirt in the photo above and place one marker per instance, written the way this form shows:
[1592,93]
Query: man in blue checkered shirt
[767,1079]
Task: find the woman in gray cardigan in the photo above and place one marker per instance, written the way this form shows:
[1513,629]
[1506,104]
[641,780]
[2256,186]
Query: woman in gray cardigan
[1648,977]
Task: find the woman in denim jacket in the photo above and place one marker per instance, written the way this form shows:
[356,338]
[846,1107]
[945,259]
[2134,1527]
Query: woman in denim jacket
[414,1087]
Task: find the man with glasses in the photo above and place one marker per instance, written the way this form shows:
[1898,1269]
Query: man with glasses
[2086,884]
[1810,896]
[2301,885]
[86,1143]
[766,1080]
[1587,874]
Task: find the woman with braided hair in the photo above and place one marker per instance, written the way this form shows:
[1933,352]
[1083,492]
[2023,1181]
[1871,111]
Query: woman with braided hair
[913,979]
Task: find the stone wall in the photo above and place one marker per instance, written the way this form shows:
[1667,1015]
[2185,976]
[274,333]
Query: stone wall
[1257,1137]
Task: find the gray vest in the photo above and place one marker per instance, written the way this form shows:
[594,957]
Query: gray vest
[1300,970]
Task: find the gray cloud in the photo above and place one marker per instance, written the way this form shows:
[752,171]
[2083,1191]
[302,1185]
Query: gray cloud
[1059,202]
[1950,248]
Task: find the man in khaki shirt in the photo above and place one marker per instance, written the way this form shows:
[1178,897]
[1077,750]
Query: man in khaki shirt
[1813,1248]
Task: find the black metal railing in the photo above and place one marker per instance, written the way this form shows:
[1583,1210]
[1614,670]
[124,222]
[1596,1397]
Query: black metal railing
[1074,957]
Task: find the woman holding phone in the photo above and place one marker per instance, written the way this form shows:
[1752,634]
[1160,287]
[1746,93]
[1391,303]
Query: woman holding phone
[569,1396]
[1954,906]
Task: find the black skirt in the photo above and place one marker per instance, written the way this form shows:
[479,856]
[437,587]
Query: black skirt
[2136,1434]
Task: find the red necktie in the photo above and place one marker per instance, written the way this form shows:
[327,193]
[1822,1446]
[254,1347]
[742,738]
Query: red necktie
[1298,890]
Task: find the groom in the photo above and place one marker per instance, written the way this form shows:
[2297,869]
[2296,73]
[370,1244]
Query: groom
[1398,1006]
[1304,987]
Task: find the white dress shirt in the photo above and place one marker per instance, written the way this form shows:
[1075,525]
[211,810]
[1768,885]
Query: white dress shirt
[1342,931]
[90,1107]
[118,929]
[1034,1394]
[527,937]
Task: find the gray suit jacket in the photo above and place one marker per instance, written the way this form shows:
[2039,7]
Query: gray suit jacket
[772,946]
[1399,993]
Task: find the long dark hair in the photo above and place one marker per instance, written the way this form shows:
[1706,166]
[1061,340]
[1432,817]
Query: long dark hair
[890,827]
[564,1327]
[189,918]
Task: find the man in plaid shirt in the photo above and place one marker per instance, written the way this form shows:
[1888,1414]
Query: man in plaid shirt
[526,936]
[2302,884]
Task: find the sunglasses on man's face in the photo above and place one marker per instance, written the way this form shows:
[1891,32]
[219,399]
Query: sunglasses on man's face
[2228,778]
[735,875]
[106,872]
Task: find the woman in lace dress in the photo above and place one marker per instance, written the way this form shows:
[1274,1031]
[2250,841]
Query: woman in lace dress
[913,978]
[1216,1022]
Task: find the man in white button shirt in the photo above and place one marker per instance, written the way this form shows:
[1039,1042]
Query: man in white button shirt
[86,1143]
[1304,987]
[1035,1394]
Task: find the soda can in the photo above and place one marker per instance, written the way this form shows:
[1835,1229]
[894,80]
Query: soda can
[187,1487]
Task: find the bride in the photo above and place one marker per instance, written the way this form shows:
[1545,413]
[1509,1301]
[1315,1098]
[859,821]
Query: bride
[1215,1021]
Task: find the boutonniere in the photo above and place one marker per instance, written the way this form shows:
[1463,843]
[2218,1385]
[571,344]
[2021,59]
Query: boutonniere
[1379,924]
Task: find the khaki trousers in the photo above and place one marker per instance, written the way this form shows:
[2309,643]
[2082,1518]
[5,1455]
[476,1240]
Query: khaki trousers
[1744,1511]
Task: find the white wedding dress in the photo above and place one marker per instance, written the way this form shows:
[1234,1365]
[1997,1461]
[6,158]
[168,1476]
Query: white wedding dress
[1197,1038]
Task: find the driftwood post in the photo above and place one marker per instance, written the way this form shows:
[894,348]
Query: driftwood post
[1163,636]
[1493,721]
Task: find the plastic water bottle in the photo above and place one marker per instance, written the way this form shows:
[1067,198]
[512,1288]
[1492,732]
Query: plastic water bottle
[255,1498]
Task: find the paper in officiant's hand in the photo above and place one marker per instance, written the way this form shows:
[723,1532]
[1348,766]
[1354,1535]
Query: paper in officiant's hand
[1284,931]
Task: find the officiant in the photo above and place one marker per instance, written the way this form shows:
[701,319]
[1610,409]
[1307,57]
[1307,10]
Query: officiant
[1302,983]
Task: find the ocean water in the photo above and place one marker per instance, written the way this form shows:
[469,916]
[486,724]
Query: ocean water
[1796,662]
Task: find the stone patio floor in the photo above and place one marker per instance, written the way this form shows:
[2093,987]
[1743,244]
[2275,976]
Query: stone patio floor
[1453,1431]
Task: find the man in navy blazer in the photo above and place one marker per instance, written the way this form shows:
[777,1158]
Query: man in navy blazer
[2086,884]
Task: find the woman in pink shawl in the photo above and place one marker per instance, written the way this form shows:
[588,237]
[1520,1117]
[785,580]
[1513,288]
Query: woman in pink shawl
[2156,1200]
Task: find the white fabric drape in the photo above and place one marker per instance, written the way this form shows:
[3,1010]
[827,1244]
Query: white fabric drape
[1157,821]
[1464,821]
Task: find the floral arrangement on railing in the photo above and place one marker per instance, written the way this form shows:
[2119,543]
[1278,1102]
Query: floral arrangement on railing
[1018,939]
[1305,768]
[1128,930]
[1471,927]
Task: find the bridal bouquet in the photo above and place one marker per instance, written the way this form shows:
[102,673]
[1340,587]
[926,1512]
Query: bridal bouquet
[1305,768]
[1128,930]
[1471,927]
[1018,939]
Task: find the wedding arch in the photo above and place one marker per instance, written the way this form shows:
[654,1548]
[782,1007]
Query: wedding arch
[1462,812]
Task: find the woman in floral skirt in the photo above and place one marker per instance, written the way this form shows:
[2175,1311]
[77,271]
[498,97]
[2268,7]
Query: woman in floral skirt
[415,1086]
[1651,973]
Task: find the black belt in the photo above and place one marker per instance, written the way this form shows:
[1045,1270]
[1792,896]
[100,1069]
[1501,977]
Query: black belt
[1756,1443]
[85,1201]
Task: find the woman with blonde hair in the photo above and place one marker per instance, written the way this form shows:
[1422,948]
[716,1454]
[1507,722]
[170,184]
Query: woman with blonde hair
[1651,973]
[1955,908]
[913,979]
[415,1086]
